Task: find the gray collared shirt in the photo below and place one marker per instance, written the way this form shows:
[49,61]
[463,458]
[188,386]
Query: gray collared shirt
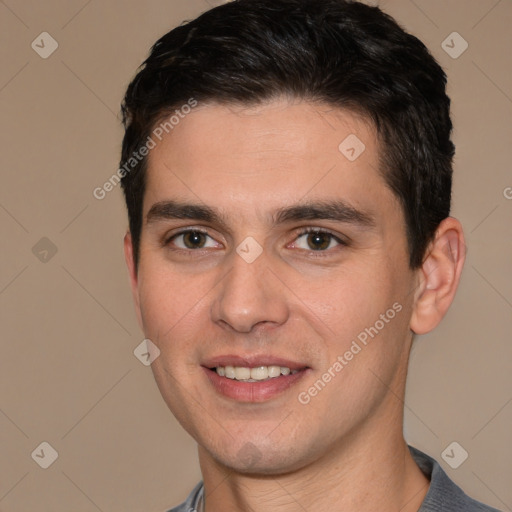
[443,495]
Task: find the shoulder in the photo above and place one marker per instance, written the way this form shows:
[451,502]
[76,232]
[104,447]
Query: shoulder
[191,503]
[443,494]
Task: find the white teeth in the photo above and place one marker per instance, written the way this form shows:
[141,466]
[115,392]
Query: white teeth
[259,373]
[274,371]
[253,374]
[242,373]
[230,372]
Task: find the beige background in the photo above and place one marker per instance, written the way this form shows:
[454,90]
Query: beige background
[68,374]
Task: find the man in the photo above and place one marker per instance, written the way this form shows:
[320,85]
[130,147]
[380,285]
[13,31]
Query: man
[287,169]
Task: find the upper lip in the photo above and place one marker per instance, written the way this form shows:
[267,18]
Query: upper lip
[252,361]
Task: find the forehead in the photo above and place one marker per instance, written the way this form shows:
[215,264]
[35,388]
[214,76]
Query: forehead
[258,158]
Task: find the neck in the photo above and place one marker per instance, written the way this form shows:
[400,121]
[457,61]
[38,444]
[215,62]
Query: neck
[369,469]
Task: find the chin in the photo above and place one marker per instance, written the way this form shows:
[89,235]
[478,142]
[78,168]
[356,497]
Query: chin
[253,460]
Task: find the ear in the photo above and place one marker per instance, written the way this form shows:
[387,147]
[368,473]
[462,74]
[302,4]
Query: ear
[439,276]
[132,271]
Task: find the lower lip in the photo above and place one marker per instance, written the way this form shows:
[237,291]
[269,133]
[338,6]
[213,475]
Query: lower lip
[253,391]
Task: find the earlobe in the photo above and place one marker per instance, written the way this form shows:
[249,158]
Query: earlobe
[132,272]
[439,276]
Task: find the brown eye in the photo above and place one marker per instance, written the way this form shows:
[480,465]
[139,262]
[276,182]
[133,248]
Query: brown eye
[192,239]
[317,240]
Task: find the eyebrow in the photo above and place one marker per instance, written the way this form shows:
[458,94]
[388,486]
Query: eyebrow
[337,210]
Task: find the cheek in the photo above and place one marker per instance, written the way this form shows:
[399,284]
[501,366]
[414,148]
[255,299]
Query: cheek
[157,304]
[165,300]
[363,319]
[347,301]
[175,310]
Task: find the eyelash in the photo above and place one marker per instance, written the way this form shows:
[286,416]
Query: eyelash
[312,230]
[301,232]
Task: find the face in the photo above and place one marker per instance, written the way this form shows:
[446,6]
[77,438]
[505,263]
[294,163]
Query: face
[270,255]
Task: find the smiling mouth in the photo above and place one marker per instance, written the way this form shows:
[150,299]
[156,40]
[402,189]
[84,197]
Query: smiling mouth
[253,384]
[255,374]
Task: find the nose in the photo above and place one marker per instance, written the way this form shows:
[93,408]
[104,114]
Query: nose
[250,296]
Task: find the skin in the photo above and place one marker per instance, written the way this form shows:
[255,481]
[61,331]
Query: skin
[346,445]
